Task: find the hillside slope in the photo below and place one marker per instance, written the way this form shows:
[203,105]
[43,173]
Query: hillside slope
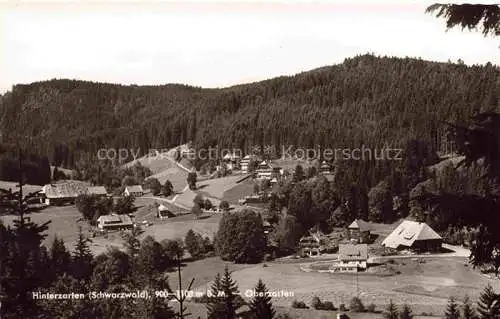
[365,100]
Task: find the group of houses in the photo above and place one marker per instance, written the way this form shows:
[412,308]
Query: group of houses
[67,192]
[353,247]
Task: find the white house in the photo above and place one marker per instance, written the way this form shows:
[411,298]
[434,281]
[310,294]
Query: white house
[134,190]
[97,190]
[113,221]
[351,258]
[232,161]
[163,212]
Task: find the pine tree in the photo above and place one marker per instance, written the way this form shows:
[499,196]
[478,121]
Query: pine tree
[298,174]
[60,257]
[391,312]
[406,312]
[82,258]
[231,301]
[214,305]
[261,305]
[224,297]
[23,271]
[485,303]
[452,311]
[467,309]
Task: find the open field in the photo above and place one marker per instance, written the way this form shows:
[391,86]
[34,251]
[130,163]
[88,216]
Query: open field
[145,209]
[64,223]
[217,186]
[290,164]
[424,286]
[176,176]
[200,310]
[156,163]
[177,227]
[163,167]
[239,191]
[26,188]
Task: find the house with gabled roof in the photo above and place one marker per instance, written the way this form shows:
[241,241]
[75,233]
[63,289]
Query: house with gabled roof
[97,190]
[232,161]
[359,230]
[351,258]
[415,236]
[134,190]
[114,222]
[311,245]
[163,212]
[61,193]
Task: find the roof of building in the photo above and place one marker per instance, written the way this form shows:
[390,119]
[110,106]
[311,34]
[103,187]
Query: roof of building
[264,165]
[325,165]
[97,190]
[360,224]
[249,157]
[353,252]
[134,189]
[231,156]
[115,219]
[408,232]
[162,208]
[63,190]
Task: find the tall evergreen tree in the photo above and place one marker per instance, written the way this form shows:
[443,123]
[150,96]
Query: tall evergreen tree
[406,312]
[214,305]
[485,305]
[391,311]
[60,258]
[231,300]
[261,306]
[298,174]
[82,258]
[225,300]
[467,309]
[452,310]
[22,271]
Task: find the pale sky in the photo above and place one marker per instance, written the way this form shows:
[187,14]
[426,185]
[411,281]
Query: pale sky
[217,44]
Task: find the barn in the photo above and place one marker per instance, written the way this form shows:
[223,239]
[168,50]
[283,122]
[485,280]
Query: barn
[414,236]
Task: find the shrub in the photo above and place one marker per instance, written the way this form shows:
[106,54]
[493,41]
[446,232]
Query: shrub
[342,307]
[194,244]
[370,308]
[328,305]
[299,304]
[316,303]
[356,305]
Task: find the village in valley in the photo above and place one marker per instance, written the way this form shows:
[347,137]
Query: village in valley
[262,188]
[418,266]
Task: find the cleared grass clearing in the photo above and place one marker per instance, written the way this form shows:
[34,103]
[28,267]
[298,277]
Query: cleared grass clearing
[64,223]
[26,188]
[176,176]
[200,310]
[217,186]
[438,278]
[177,227]
[239,191]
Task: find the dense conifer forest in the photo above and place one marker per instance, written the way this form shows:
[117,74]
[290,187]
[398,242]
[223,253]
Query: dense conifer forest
[365,100]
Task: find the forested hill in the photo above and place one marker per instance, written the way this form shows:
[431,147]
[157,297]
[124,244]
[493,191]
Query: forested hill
[366,99]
